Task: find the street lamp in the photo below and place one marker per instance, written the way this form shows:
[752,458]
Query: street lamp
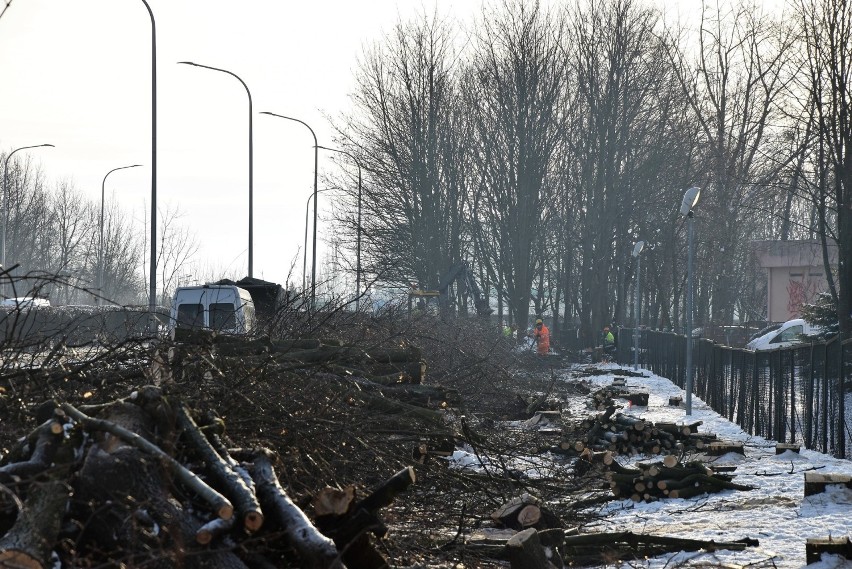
[316,165]
[358,240]
[251,163]
[305,249]
[152,277]
[637,249]
[6,200]
[101,237]
[690,198]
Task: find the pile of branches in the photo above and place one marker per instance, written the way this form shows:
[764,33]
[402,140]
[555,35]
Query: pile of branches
[344,421]
[112,483]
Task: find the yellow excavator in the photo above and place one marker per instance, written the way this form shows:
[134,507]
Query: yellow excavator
[460,272]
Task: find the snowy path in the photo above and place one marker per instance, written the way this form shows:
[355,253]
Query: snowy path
[777,513]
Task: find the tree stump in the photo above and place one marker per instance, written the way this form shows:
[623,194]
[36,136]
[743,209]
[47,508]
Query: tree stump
[815,547]
[525,551]
[815,482]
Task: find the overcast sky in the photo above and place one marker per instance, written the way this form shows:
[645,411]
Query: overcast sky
[78,75]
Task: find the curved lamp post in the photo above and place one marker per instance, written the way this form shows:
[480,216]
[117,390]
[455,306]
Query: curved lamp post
[637,250]
[6,199]
[358,240]
[305,249]
[101,232]
[251,162]
[152,277]
[690,198]
[316,165]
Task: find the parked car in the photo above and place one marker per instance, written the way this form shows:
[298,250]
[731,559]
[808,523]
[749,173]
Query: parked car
[25,302]
[787,334]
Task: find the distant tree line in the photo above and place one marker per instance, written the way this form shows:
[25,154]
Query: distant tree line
[541,144]
[57,231]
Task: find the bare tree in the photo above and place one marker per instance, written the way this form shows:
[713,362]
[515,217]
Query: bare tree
[122,279]
[826,28]
[733,89]
[404,136]
[177,247]
[515,95]
[626,144]
[72,230]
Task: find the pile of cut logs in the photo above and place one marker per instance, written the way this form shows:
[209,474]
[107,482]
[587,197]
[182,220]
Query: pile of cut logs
[626,434]
[140,481]
[668,478]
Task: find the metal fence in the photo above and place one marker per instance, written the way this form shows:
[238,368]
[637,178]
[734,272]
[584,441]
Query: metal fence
[800,395]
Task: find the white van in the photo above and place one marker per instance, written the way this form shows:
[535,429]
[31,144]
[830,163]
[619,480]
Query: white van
[789,333]
[224,308]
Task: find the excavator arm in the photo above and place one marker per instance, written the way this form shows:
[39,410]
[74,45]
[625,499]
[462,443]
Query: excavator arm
[460,272]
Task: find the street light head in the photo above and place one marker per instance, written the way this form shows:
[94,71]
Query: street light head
[281,117]
[690,198]
[50,145]
[638,248]
[187,63]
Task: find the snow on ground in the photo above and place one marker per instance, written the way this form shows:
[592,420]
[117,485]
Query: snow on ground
[776,513]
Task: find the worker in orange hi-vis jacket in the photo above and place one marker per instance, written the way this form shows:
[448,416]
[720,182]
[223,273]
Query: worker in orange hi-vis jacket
[542,337]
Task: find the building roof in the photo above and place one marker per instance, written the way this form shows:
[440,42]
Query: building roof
[793,253]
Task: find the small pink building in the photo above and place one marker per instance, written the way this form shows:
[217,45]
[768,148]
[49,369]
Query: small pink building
[795,274]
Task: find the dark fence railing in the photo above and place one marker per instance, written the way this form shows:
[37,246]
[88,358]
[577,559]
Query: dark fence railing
[801,394]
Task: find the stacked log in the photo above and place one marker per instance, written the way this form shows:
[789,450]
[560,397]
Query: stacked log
[668,478]
[626,434]
[635,394]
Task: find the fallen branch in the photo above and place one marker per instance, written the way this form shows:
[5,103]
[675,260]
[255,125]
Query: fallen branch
[314,549]
[221,505]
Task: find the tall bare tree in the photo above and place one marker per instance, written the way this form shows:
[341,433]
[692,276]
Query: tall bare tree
[516,96]
[622,122]
[71,230]
[733,89]
[406,135]
[826,27]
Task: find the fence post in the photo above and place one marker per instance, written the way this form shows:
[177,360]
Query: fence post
[824,414]
[793,396]
[841,398]
[809,404]
[755,394]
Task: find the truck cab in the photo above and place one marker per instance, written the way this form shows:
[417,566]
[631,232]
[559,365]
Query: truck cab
[224,308]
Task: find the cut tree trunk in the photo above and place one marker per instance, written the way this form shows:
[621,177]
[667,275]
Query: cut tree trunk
[30,542]
[314,549]
[525,551]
